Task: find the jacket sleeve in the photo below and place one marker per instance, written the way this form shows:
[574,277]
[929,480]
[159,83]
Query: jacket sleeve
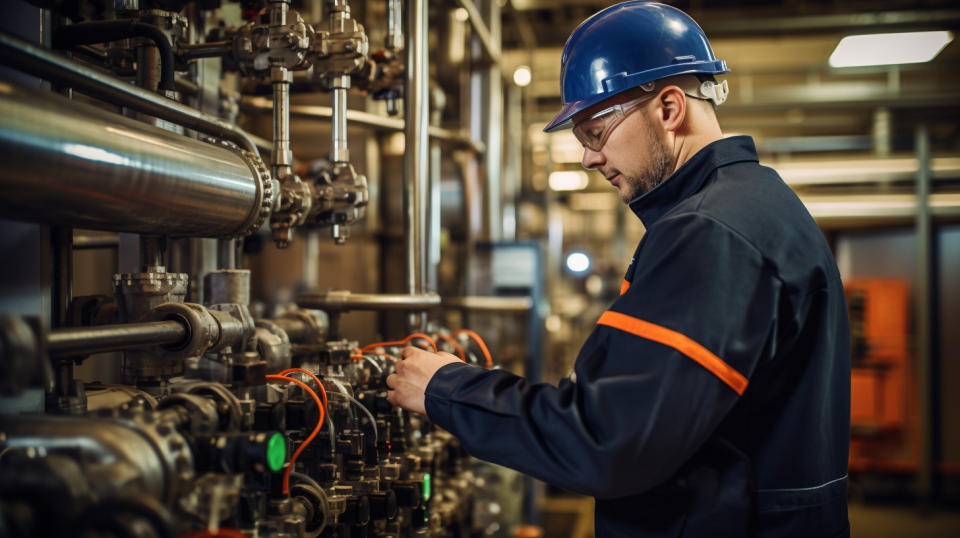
[655,378]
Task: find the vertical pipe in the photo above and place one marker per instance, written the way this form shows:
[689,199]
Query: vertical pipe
[339,151]
[493,158]
[282,155]
[394,26]
[62,294]
[62,274]
[924,325]
[416,108]
[226,254]
[152,250]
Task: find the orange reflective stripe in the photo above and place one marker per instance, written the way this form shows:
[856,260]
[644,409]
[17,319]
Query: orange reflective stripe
[681,343]
[624,286]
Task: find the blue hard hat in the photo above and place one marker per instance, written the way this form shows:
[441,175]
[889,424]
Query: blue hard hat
[627,45]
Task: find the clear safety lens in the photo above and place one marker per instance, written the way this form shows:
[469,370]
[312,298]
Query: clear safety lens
[592,132]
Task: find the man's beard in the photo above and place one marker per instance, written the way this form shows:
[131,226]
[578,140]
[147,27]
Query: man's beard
[660,164]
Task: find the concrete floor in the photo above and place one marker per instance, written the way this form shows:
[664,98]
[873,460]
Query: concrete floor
[891,521]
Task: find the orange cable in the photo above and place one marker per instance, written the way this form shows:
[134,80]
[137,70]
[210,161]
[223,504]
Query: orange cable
[316,429]
[452,342]
[483,347]
[315,380]
[371,347]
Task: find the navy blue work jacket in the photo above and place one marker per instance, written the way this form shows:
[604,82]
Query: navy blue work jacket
[713,397]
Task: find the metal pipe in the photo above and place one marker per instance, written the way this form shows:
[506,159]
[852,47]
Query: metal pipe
[339,151]
[88,33]
[394,41]
[44,64]
[490,42]
[123,175]
[416,110]
[926,378]
[99,339]
[343,301]
[489,304]
[210,49]
[90,241]
[366,119]
[282,154]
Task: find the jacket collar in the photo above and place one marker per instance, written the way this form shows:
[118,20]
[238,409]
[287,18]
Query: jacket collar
[690,178]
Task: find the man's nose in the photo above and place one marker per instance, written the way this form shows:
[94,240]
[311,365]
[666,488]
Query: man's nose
[592,159]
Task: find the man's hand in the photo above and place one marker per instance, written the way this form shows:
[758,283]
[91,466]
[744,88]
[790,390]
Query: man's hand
[407,385]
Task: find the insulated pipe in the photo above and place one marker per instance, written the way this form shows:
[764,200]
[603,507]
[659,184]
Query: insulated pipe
[69,164]
[99,339]
[89,33]
[416,109]
[44,64]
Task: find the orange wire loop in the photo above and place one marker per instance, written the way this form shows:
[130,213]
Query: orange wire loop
[483,347]
[405,341]
[315,380]
[452,342]
[316,429]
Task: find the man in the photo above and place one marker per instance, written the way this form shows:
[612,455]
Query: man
[712,399]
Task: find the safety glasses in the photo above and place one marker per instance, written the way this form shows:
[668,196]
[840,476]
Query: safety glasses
[592,132]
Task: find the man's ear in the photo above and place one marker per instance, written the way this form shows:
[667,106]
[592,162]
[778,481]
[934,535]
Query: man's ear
[672,109]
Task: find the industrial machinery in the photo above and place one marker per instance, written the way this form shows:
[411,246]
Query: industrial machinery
[225,421]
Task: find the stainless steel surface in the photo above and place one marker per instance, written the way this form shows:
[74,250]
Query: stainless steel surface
[926,380]
[124,175]
[86,340]
[416,110]
[343,301]
[282,155]
[394,39]
[489,304]
[339,151]
[55,68]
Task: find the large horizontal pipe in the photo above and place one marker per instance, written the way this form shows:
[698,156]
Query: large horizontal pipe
[100,339]
[70,164]
[342,301]
[44,64]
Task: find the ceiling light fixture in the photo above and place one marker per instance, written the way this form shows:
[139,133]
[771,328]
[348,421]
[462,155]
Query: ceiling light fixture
[889,49]
[522,76]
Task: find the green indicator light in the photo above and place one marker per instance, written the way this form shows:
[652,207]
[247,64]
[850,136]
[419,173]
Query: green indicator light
[426,487]
[276,452]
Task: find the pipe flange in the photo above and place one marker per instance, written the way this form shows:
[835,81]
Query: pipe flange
[202,329]
[265,192]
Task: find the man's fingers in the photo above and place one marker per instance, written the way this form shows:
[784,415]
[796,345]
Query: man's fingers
[391,382]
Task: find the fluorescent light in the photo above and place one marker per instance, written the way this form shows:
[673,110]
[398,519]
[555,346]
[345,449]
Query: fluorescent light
[578,262]
[522,76]
[568,180]
[887,49]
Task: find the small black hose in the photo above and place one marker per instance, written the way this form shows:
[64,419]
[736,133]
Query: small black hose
[88,33]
